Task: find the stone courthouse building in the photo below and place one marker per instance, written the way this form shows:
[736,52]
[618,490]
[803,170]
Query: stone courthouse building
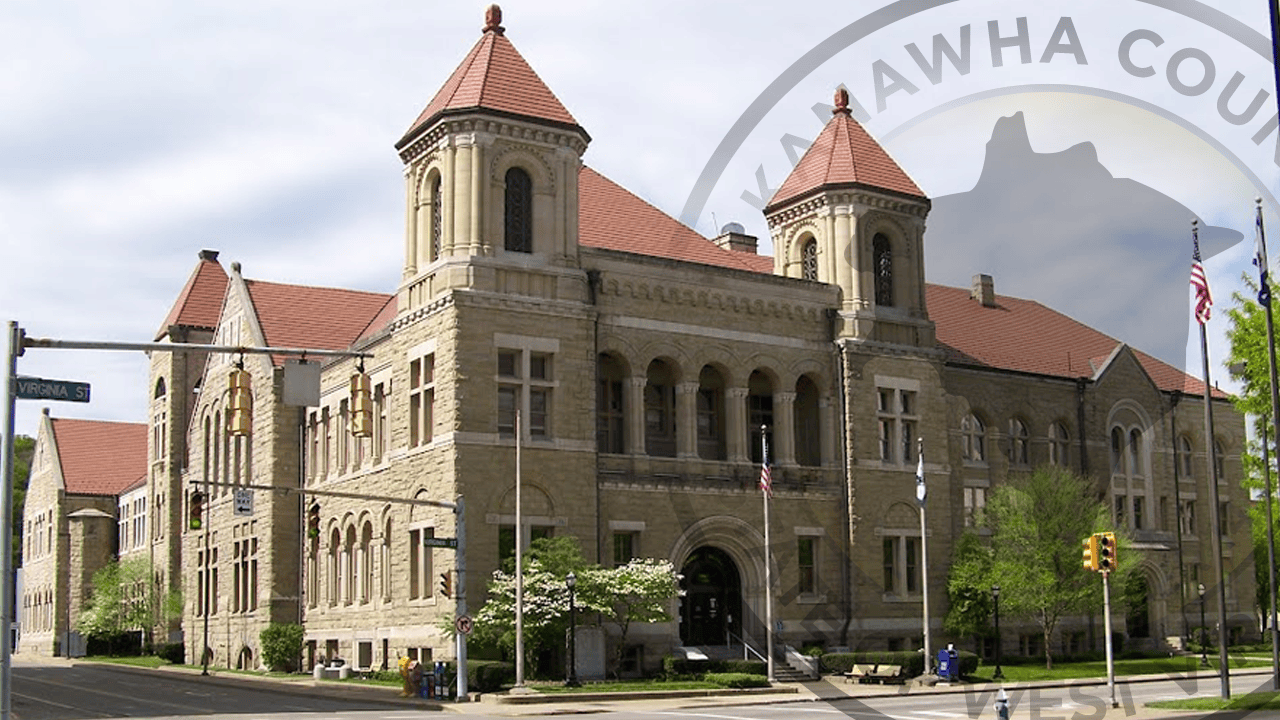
[642,361]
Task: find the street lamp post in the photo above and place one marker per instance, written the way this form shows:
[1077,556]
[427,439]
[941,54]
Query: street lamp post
[995,599]
[571,581]
[1204,641]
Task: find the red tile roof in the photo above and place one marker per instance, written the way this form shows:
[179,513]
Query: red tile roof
[844,154]
[494,76]
[1025,336]
[100,458]
[299,316]
[199,305]
[611,217]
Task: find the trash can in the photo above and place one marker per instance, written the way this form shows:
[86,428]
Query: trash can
[953,666]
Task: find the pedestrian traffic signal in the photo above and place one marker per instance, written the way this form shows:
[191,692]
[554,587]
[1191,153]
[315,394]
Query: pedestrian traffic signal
[240,411]
[361,406]
[446,584]
[197,510]
[1090,552]
[313,521]
[1108,558]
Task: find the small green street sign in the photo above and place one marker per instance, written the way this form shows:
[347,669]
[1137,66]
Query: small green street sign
[31,388]
[440,542]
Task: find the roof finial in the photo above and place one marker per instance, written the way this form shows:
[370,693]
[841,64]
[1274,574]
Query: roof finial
[842,102]
[493,19]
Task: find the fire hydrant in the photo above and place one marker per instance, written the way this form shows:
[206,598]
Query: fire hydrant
[1002,705]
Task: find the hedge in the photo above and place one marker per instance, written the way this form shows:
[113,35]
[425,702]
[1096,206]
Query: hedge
[737,679]
[673,667]
[486,675]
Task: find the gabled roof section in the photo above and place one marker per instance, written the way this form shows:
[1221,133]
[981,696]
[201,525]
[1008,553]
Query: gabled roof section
[99,457]
[844,155]
[1025,336]
[299,316]
[611,217]
[199,305]
[494,76]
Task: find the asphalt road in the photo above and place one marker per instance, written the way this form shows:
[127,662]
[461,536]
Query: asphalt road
[77,692]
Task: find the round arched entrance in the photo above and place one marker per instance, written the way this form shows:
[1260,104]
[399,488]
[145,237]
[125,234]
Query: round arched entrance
[712,605]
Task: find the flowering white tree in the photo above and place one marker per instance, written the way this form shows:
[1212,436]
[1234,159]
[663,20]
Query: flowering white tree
[640,591]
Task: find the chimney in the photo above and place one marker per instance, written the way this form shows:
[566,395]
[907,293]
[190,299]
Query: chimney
[734,237]
[210,255]
[983,290]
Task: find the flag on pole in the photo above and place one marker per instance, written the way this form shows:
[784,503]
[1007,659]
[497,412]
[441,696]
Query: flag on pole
[1260,259]
[766,478]
[1198,280]
[920,488]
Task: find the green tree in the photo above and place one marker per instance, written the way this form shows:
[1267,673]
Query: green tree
[638,592]
[23,449]
[969,587]
[1250,363]
[1036,524]
[126,597]
[281,645]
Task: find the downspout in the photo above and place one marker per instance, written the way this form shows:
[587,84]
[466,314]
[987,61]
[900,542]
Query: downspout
[593,284]
[1174,398]
[846,489]
[1081,384]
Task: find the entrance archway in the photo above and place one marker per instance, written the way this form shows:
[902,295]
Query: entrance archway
[712,603]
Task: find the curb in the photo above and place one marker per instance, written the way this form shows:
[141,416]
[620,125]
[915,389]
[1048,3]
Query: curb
[544,698]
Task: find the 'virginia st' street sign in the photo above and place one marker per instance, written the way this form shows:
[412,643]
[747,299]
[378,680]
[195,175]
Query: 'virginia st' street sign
[30,388]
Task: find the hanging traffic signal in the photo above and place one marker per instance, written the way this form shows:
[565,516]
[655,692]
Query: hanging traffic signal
[361,406]
[1107,555]
[313,521]
[196,520]
[446,584]
[1090,552]
[240,412]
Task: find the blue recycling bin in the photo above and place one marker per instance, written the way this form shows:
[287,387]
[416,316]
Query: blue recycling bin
[953,666]
[944,664]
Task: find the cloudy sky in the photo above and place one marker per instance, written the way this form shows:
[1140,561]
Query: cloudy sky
[136,133]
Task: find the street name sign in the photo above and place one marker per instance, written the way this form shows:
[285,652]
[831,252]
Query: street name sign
[440,542]
[31,388]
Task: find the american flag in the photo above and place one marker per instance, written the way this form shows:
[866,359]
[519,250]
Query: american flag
[1198,281]
[1260,259]
[766,479]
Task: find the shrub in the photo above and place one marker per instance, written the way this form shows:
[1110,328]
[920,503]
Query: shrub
[674,668]
[175,653]
[281,645]
[737,680]
[485,675]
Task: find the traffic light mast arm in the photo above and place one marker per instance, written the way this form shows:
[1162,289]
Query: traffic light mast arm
[332,493]
[51,344]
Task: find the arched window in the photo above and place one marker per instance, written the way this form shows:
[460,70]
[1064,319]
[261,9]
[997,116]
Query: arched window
[973,436]
[1219,461]
[331,587]
[809,260]
[882,264]
[1059,444]
[1186,467]
[759,413]
[437,218]
[610,405]
[160,389]
[808,426]
[1117,450]
[711,440]
[1129,487]
[384,561]
[519,211]
[1018,441]
[366,563]
[660,410]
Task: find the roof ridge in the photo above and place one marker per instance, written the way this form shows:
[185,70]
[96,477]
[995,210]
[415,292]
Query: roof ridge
[317,287]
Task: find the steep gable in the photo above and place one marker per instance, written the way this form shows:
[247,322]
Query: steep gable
[98,457]
[199,305]
[299,316]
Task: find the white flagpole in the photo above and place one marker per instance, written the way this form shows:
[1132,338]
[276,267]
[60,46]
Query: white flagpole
[768,556]
[519,567]
[924,552]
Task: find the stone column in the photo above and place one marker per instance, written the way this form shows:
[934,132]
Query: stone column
[477,208]
[633,409]
[846,255]
[410,222]
[687,420]
[735,410]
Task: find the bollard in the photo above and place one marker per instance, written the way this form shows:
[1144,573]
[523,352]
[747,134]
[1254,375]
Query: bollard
[1002,705]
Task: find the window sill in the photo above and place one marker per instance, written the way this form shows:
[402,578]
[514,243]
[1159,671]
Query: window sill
[811,599]
[891,598]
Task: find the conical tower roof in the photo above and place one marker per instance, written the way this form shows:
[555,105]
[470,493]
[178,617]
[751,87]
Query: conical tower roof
[844,155]
[494,77]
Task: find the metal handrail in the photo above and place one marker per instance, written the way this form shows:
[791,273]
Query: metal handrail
[729,637]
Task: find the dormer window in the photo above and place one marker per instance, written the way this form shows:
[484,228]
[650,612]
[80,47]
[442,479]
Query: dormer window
[518,212]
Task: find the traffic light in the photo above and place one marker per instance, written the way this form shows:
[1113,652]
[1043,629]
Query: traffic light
[197,510]
[361,406]
[1090,552]
[446,584]
[313,521]
[1107,555]
[240,412]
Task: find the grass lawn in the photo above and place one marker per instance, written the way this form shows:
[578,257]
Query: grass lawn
[627,686]
[1253,701]
[148,661]
[1098,669]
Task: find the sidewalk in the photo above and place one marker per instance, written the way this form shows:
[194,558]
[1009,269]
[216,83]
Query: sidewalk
[827,689]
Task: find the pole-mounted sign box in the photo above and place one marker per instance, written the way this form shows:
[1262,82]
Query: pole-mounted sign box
[30,388]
